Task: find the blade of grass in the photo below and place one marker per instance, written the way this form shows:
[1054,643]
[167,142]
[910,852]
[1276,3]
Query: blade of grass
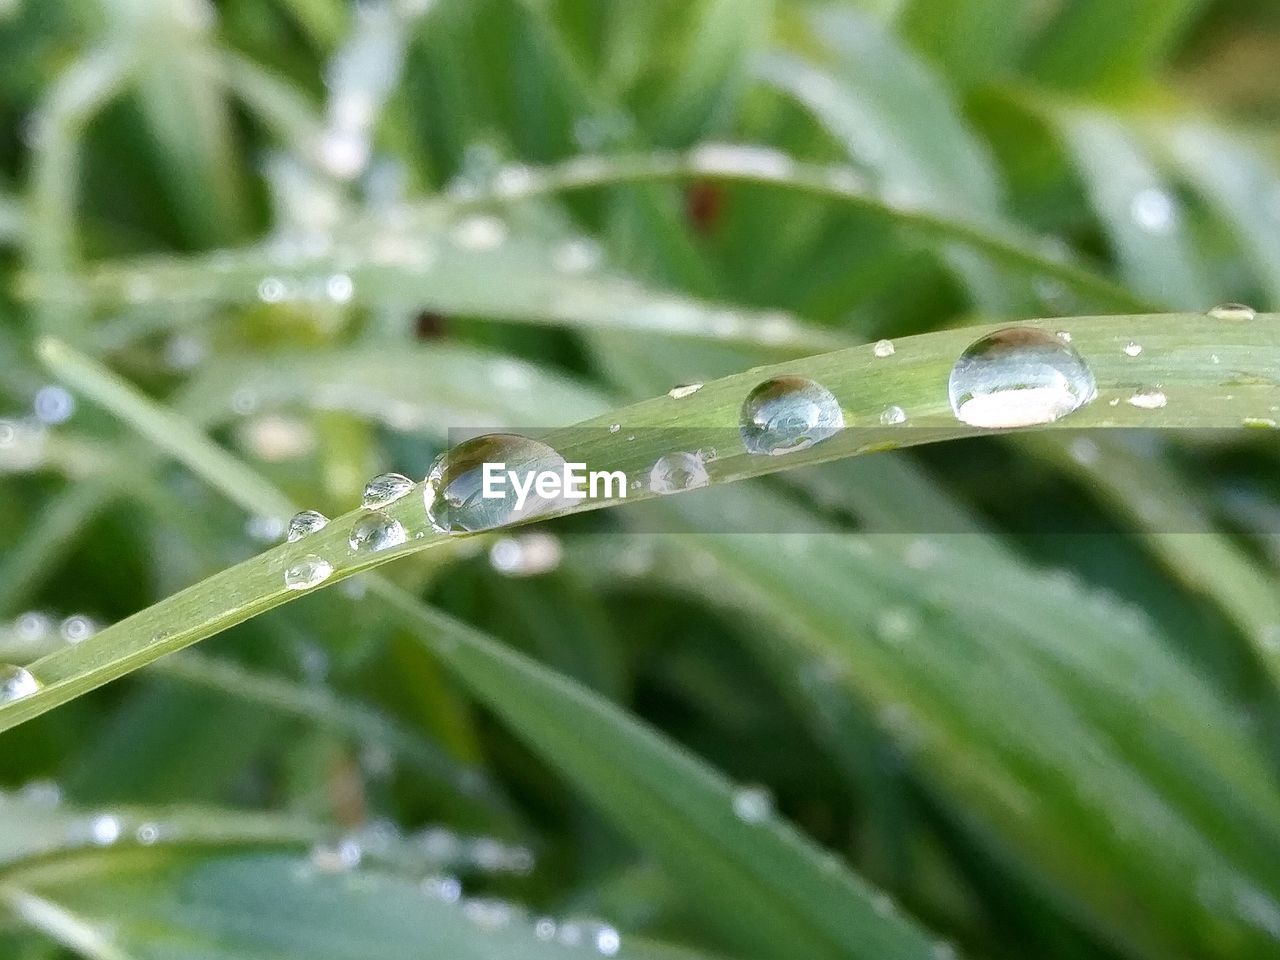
[1176,357]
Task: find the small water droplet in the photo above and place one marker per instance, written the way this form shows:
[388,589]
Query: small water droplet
[385,488]
[1132,349]
[77,628]
[105,829]
[1064,336]
[1148,398]
[608,941]
[305,523]
[1019,377]
[147,834]
[677,472]
[884,348]
[16,683]
[480,233]
[340,288]
[752,804]
[1154,210]
[615,427]
[891,416]
[307,572]
[527,555]
[683,390]
[787,414]
[272,290]
[1233,311]
[376,532]
[579,255]
[53,405]
[454,492]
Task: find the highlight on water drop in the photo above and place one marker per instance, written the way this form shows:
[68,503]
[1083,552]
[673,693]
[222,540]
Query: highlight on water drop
[1019,377]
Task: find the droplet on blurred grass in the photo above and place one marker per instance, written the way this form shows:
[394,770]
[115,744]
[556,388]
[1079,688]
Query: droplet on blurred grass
[304,523]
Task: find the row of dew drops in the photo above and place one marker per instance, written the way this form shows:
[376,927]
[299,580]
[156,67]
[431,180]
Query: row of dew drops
[1016,377]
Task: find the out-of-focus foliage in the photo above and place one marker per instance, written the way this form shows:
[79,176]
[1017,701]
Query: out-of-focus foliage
[1003,697]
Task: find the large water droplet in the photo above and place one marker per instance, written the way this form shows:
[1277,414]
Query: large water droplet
[385,488]
[787,414]
[454,492]
[375,532]
[1019,377]
[305,523]
[16,683]
[310,571]
[676,472]
[1233,311]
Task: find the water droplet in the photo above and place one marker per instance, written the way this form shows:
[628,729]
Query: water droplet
[385,488]
[376,532]
[676,472]
[884,348]
[1148,398]
[53,405]
[545,929]
[454,492]
[310,571]
[105,829]
[608,941]
[147,834]
[1132,349]
[1154,210]
[271,290]
[1233,311]
[615,427]
[527,555]
[480,233]
[579,255]
[340,288]
[752,804]
[76,628]
[683,390]
[16,683]
[787,414]
[891,416]
[304,523]
[1064,336]
[1019,377]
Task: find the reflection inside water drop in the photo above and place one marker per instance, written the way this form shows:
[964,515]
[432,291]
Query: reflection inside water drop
[1019,377]
[677,472]
[310,571]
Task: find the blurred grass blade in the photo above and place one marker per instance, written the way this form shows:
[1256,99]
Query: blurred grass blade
[1143,217]
[1108,44]
[1233,175]
[1049,724]
[770,889]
